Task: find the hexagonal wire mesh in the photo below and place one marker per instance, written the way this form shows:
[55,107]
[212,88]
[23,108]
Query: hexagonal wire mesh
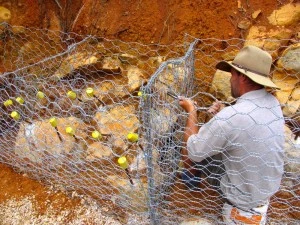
[72,108]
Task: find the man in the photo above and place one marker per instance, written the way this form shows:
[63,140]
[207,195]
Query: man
[242,143]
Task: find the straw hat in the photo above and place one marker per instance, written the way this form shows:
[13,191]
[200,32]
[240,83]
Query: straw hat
[254,63]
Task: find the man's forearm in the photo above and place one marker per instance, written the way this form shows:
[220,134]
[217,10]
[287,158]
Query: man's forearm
[191,125]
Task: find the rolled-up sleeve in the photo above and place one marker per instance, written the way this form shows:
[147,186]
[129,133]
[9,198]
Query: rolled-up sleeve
[211,139]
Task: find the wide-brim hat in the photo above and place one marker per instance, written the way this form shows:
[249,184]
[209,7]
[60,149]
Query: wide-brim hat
[252,61]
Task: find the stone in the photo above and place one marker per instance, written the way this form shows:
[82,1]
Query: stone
[133,196]
[128,59]
[135,78]
[98,150]
[220,86]
[290,60]
[111,64]
[244,24]
[119,120]
[269,40]
[286,83]
[286,15]
[39,141]
[256,13]
[74,62]
[5,14]
[292,153]
[291,107]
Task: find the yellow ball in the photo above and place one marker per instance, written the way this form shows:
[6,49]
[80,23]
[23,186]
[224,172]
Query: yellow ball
[53,122]
[140,93]
[96,134]
[70,131]
[15,115]
[133,137]
[20,100]
[72,95]
[122,161]
[40,95]
[8,102]
[90,92]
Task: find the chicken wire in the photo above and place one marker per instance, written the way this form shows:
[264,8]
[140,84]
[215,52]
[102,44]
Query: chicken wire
[98,92]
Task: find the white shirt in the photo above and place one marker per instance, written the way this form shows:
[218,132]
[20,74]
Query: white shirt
[250,136]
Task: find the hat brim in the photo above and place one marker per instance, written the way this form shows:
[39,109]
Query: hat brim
[265,81]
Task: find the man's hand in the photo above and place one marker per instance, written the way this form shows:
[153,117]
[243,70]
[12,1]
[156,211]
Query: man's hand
[187,104]
[216,107]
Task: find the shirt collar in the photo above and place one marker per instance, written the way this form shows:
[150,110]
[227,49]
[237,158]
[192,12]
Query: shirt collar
[251,95]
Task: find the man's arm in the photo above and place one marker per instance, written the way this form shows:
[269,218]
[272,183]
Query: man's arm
[191,124]
[190,128]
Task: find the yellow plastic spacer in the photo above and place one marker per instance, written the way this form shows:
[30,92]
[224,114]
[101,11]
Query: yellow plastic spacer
[70,131]
[90,92]
[15,115]
[122,161]
[133,137]
[72,95]
[96,134]
[40,95]
[20,100]
[53,122]
[140,93]
[8,102]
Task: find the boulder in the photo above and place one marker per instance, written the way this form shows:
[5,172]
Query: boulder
[220,86]
[290,60]
[286,15]
[130,196]
[39,141]
[75,61]
[128,59]
[286,83]
[98,150]
[269,40]
[292,153]
[118,121]
[135,78]
[5,14]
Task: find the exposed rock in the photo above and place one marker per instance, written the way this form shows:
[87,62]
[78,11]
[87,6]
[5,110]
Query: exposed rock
[291,107]
[269,40]
[290,60]
[98,150]
[5,14]
[111,64]
[75,61]
[119,121]
[292,153]
[221,85]
[244,24]
[286,83]
[138,163]
[133,196]
[128,59]
[286,15]
[39,140]
[135,78]
[256,14]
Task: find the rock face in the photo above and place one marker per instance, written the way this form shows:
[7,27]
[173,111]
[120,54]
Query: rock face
[286,15]
[39,140]
[290,60]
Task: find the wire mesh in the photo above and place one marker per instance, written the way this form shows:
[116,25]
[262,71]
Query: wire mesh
[102,117]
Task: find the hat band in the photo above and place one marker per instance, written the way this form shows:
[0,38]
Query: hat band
[246,69]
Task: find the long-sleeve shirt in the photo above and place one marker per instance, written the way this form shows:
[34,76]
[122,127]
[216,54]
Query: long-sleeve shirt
[250,136]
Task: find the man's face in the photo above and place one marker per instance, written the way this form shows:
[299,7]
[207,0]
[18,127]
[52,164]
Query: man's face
[235,83]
